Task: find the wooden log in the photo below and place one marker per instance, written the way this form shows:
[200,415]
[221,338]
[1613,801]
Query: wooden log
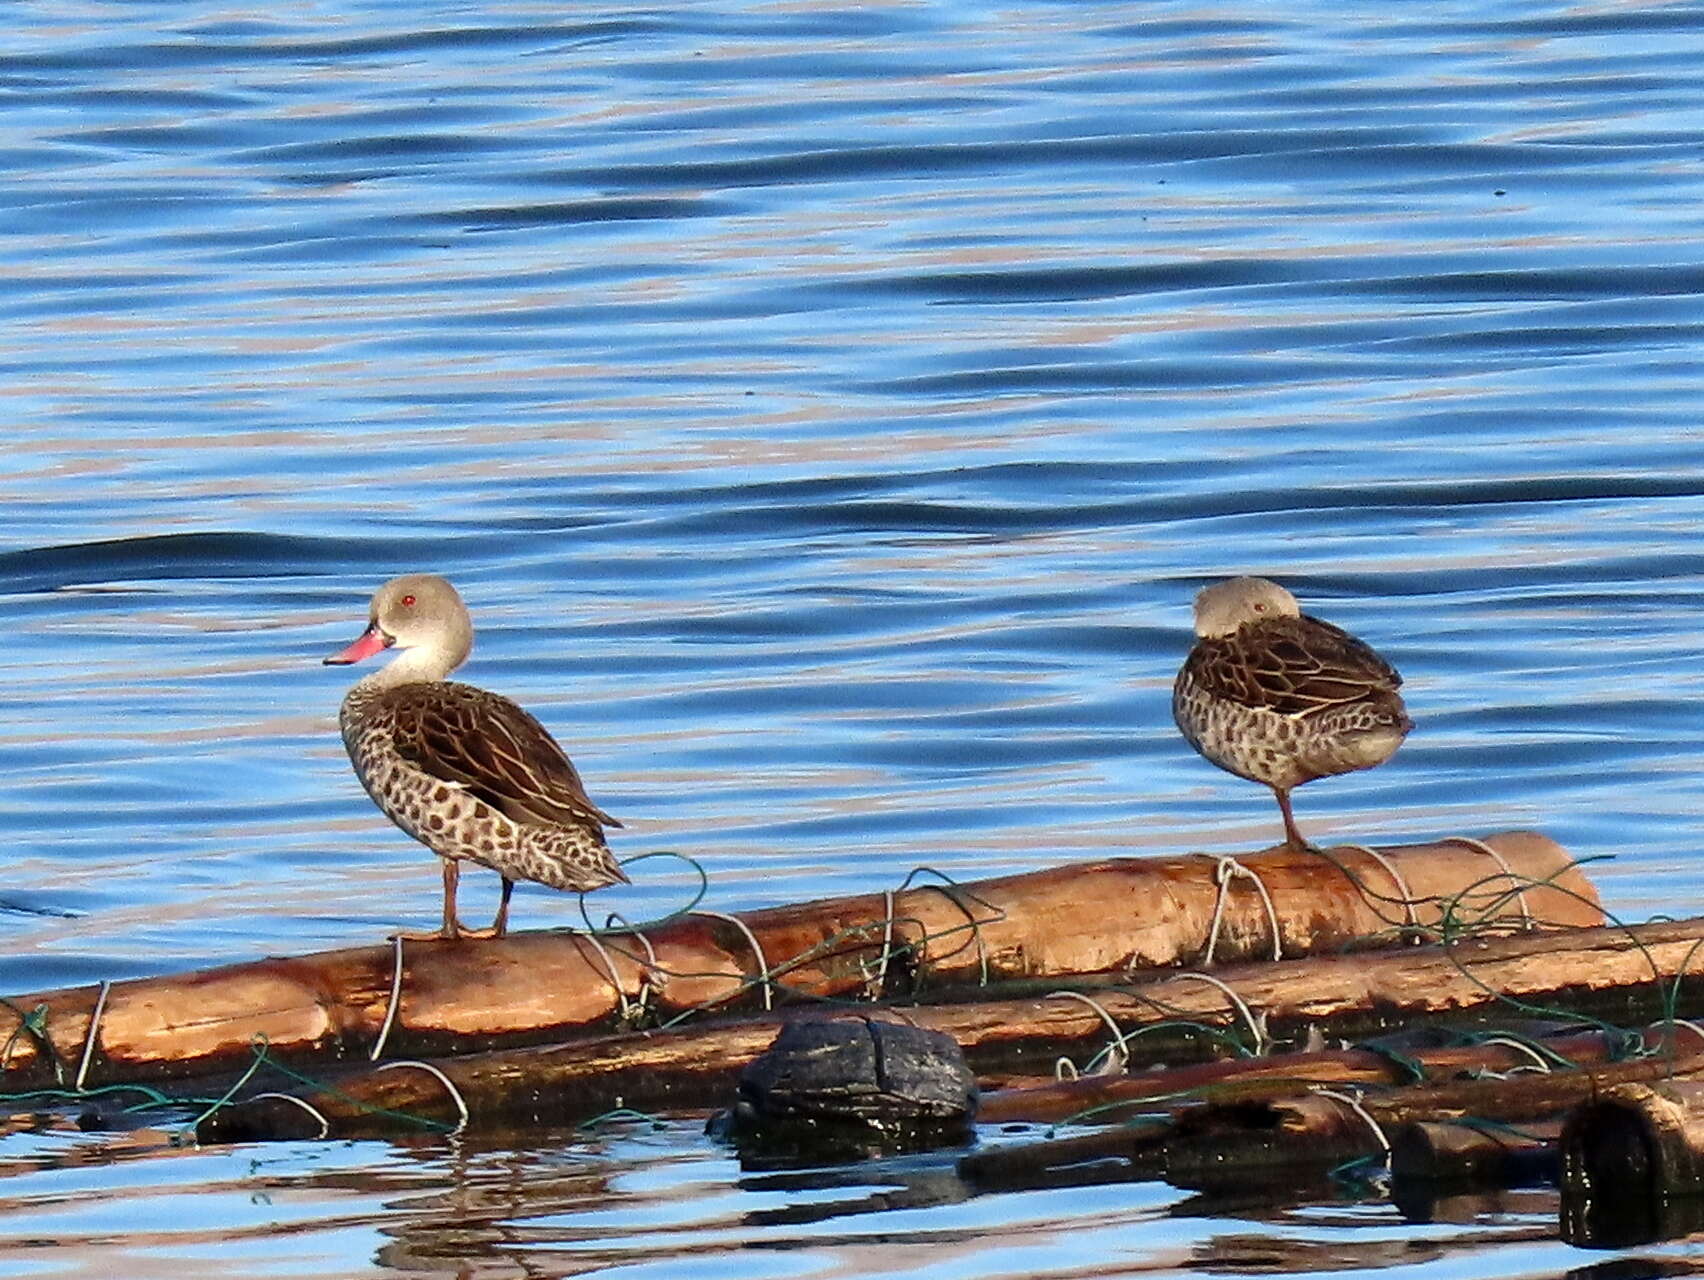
[1513,1099]
[1633,1163]
[695,1066]
[1637,1140]
[1236,1141]
[1121,1153]
[1623,1222]
[1106,1097]
[1107,917]
[1530,1097]
[1461,1152]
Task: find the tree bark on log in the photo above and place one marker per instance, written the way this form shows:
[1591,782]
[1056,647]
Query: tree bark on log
[695,1066]
[1107,917]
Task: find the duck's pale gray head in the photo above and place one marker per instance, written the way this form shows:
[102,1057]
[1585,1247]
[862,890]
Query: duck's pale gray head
[418,611]
[1225,606]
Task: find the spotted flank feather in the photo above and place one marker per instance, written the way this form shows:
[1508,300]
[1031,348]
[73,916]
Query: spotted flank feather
[493,749]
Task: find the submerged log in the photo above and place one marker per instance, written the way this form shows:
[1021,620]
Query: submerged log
[1290,1133]
[1336,1128]
[1460,1151]
[1107,917]
[1196,1122]
[1122,1153]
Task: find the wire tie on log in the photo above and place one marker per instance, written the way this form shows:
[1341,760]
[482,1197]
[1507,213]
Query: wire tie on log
[951,891]
[642,1000]
[609,968]
[395,999]
[1119,1043]
[1528,924]
[763,974]
[455,1093]
[305,1105]
[1540,1062]
[887,942]
[1690,1025]
[89,1040]
[1237,1003]
[1406,896]
[1064,1069]
[1225,870]
[1354,1104]
[639,933]
[877,982]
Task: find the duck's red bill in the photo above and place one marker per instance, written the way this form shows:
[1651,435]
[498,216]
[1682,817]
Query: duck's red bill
[371,641]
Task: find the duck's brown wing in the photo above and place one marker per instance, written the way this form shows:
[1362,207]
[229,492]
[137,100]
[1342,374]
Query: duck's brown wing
[491,748]
[1293,666]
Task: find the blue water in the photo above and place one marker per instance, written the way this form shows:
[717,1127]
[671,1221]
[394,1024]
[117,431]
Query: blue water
[828,413]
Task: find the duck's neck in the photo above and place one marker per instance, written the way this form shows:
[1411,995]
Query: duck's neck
[422,664]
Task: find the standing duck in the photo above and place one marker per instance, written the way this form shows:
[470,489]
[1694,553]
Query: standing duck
[1275,696]
[467,773]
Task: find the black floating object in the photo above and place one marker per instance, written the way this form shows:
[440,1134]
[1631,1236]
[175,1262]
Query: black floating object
[848,1088]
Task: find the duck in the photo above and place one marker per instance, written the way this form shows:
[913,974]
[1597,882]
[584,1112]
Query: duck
[470,774]
[1273,695]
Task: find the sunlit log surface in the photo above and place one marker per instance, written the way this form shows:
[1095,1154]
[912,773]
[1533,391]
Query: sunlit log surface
[1110,917]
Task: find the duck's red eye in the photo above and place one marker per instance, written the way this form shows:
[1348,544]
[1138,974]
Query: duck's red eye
[408,602]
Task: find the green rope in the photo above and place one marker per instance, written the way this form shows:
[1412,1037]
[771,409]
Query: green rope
[609,928]
[619,1115]
[34,1023]
[187,1135]
[261,1048]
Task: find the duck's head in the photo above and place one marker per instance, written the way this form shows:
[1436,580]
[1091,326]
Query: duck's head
[421,615]
[1225,607]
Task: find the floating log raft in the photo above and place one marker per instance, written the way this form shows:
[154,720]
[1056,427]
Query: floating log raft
[1626,970]
[1109,917]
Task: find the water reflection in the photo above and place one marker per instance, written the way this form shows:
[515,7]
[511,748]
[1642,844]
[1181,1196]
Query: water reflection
[659,1197]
